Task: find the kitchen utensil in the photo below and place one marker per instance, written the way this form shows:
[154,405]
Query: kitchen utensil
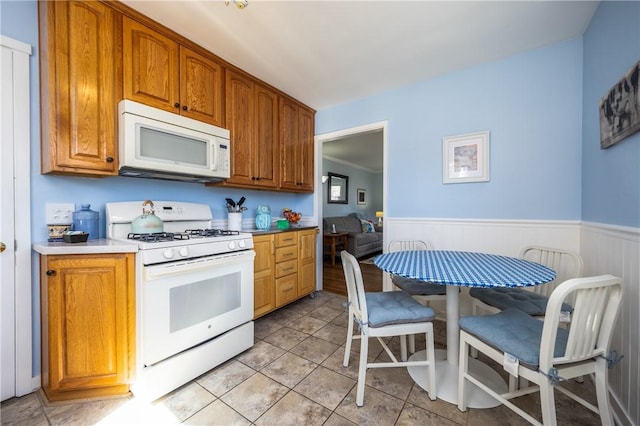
[241,201]
[148,222]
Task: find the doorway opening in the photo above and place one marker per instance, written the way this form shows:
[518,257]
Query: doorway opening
[360,153]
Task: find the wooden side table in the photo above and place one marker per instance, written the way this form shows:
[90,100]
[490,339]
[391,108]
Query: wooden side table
[332,240]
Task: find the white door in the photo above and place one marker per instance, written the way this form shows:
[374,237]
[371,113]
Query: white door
[15,248]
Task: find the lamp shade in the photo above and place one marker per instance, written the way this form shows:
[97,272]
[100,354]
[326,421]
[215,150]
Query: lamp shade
[379,214]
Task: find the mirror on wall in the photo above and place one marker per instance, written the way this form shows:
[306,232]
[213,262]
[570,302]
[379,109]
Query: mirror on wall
[338,192]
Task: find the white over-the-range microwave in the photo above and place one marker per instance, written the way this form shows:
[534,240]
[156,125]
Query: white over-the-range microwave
[158,144]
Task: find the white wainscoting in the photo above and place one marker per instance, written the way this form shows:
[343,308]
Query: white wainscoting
[608,249]
[605,249]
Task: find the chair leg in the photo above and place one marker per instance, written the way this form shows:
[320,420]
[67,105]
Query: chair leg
[474,351]
[513,383]
[347,346]
[602,393]
[463,367]
[431,357]
[412,344]
[547,402]
[403,348]
[362,370]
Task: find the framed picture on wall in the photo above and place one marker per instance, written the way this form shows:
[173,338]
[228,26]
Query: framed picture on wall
[465,158]
[361,196]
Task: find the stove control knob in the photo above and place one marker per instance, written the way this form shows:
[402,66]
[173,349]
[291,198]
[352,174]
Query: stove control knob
[184,252]
[168,253]
[241,244]
[232,245]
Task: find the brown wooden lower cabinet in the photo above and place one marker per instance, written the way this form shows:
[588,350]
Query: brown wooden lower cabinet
[284,268]
[88,325]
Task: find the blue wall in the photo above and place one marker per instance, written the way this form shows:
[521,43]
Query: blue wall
[611,177]
[531,103]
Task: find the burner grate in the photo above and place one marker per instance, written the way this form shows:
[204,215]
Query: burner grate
[211,232]
[158,237]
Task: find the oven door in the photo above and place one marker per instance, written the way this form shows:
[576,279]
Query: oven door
[188,302]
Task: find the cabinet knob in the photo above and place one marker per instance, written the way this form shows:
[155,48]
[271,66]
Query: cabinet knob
[177,105]
[109,159]
[184,108]
[51,272]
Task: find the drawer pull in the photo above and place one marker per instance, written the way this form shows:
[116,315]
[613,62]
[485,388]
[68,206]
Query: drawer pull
[288,269]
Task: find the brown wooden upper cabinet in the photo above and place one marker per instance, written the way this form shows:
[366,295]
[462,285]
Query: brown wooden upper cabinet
[80,86]
[252,118]
[296,146]
[161,73]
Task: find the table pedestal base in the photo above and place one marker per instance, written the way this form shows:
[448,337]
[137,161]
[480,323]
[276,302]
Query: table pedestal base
[447,380]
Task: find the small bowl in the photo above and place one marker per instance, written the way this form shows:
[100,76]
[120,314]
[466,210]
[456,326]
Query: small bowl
[76,238]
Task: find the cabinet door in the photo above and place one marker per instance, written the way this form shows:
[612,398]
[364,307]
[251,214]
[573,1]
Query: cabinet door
[150,67]
[307,261]
[88,323]
[240,119]
[252,118]
[288,144]
[201,80]
[305,149]
[296,146]
[266,138]
[80,66]
[264,295]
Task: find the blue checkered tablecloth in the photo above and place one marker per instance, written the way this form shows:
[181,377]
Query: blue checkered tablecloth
[464,268]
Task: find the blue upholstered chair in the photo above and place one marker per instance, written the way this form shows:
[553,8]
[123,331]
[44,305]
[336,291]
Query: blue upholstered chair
[546,353]
[531,300]
[384,314]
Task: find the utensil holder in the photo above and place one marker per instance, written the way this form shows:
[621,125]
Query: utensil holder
[235,222]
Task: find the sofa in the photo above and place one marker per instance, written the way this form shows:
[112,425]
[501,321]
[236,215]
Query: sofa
[360,243]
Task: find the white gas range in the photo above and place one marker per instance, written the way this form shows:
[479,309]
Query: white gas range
[194,293]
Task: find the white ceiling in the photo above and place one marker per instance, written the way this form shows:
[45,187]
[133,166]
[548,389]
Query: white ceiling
[325,53]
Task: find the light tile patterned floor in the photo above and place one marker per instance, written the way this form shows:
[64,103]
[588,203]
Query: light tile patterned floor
[293,375]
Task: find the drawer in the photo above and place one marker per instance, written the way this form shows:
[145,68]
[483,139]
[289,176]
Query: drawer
[286,289]
[284,254]
[286,268]
[286,239]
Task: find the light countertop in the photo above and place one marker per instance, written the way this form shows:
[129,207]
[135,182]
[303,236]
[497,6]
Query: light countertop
[99,246]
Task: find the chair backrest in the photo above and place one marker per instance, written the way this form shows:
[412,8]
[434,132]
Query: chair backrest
[355,287]
[597,301]
[567,265]
[406,245]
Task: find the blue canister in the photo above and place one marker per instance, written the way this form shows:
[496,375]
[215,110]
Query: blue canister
[86,220]
[263,218]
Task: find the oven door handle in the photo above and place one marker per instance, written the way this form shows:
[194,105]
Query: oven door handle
[192,265]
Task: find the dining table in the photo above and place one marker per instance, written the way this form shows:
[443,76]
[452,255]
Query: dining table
[457,269]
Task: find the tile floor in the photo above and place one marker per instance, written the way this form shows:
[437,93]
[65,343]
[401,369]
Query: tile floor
[292,376]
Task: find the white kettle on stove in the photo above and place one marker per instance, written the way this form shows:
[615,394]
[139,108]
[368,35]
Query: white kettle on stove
[147,222]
